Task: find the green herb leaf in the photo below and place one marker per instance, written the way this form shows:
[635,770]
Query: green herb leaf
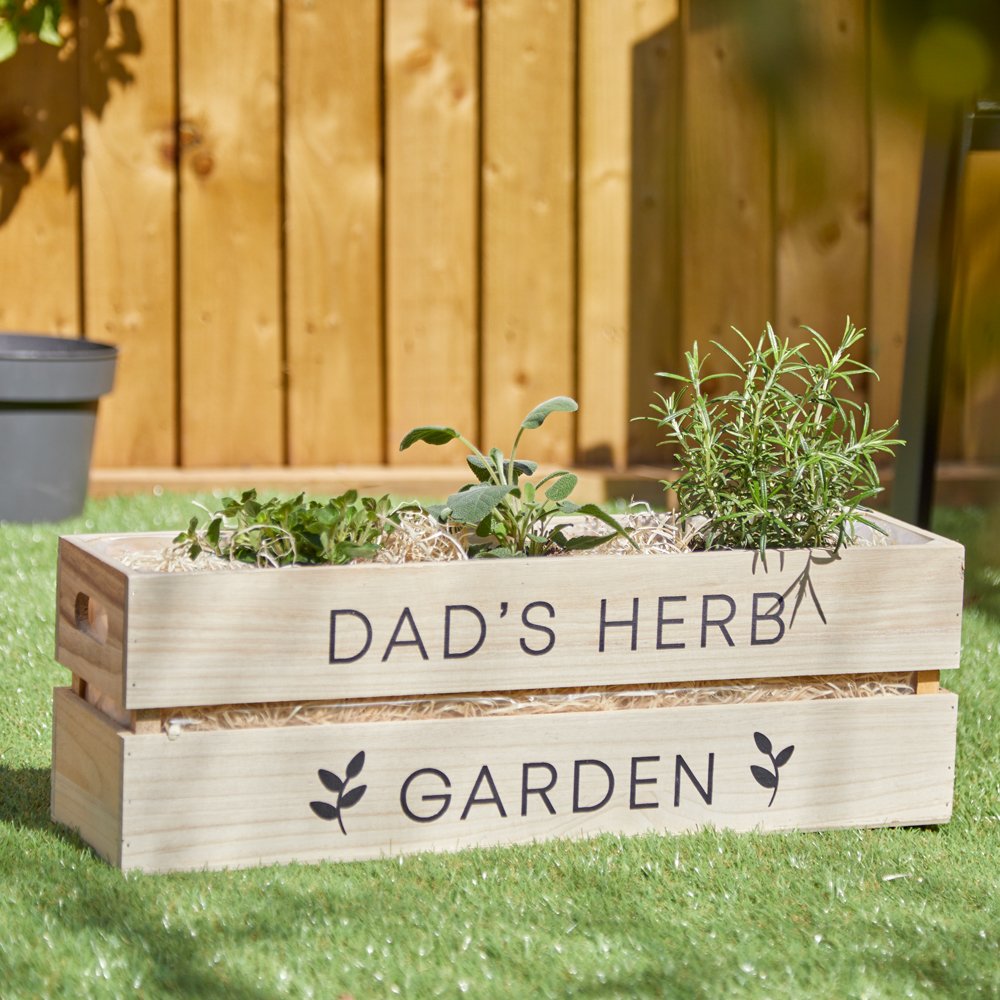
[429,435]
[471,506]
[562,487]
[558,404]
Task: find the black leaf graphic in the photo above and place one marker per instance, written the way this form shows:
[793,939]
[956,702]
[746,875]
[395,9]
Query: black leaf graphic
[345,799]
[324,810]
[357,762]
[764,777]
[353,797]
[769,779]
[331,781]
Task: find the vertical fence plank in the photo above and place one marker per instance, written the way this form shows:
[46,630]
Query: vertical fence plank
[39,188]
[129,189]
[528,218]
[897,148]
[333,183]
[823,190]
[728,257]
[230,234]
[432,150]
[629,144]
[974,346]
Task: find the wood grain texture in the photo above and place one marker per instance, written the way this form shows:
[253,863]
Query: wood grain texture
[432,227]
[239,798]
[215,638]
[897,148]
[628,225]
[86,589]
[727,260]
[822,177]
[333,181]
[129,231]
[974,356]
[528,219]
[87,773]
[230,234]
[40,188]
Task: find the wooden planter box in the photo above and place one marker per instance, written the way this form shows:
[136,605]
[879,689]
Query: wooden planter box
[149,641]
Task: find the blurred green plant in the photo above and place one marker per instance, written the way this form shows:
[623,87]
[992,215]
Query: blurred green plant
[21,19]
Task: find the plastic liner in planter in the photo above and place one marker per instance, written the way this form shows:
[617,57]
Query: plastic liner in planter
[49,388]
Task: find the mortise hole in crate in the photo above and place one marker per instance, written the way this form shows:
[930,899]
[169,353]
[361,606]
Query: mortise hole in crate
[91,618]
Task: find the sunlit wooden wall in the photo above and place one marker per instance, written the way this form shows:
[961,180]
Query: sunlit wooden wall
[312,224]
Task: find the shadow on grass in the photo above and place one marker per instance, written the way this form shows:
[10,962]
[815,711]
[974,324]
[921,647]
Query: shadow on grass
[24,797]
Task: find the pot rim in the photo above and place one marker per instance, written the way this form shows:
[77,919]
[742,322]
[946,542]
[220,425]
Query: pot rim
[39,347]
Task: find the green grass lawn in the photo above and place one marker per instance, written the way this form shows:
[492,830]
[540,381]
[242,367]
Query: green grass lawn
[872,913]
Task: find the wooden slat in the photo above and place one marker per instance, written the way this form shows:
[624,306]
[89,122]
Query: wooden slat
[628,289]
[528,219]
[975,339]
[129,192]
[822,164]
[230,234]
[727,259]
[238,798]
[86,591]
[897,149]
[87,773]
[432,185]
[39,189]
[420,481]
[213,638]
[334,206]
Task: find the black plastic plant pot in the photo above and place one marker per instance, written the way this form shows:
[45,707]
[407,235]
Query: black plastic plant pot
[49,388]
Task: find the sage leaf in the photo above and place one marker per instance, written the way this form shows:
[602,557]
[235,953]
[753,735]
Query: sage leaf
[763,743]
[562,487]
[431,434]
[474,504]
[783,758]
[558,404]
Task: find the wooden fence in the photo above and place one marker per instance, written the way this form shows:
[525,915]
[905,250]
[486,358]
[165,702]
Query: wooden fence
[312,224]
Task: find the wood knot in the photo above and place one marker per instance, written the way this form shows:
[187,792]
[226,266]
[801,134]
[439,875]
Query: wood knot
[202,163]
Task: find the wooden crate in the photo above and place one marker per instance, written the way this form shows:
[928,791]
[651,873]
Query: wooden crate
[150,641]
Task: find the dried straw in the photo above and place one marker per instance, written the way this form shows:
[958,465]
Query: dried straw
[541,702]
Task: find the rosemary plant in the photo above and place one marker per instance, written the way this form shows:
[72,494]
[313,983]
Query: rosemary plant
[783,458]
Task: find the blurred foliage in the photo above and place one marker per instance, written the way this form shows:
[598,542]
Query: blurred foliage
[28,19]
[942,50]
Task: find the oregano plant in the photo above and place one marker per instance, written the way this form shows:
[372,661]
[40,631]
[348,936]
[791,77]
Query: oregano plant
[278,532]
[511,515]
[773,452]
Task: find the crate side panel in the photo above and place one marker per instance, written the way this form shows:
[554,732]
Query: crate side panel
[87,773]
[238,798]
[91,616]
[330,633]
